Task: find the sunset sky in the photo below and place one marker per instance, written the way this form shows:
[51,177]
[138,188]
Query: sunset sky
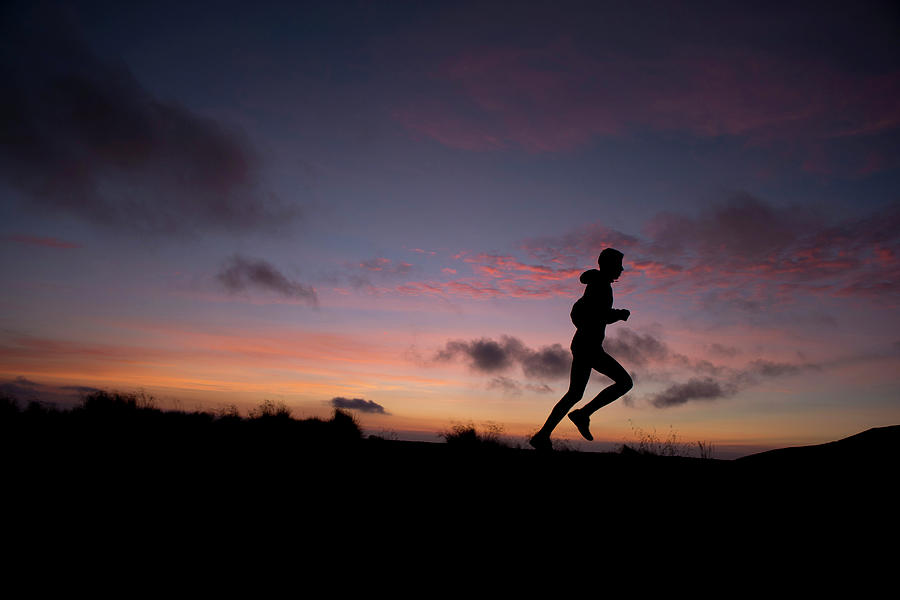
[385,206]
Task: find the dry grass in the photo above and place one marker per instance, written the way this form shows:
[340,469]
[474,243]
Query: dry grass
[466,435]
[650,443]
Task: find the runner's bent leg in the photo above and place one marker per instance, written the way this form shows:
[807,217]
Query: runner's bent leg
[609,366]
[578,379]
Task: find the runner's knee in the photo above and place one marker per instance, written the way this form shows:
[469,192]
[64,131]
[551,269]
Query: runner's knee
[572,396]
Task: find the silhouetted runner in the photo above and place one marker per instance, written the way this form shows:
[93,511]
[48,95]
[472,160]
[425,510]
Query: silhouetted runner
[590,314]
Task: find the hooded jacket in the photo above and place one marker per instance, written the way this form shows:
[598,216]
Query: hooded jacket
[593,311]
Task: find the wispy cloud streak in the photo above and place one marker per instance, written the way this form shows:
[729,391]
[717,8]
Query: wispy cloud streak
[241,274]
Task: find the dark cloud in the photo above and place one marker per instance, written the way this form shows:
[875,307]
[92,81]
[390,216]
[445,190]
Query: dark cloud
[722,382]
[489,356]
[242,273]
[359,404]
[80,135]
[743,229]
[20,387]
[484,355]
[695,389]
[709,381]
[635,348]
[27,390]
[549,362]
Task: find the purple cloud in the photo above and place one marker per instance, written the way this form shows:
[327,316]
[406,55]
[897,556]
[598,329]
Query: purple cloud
[694,389]
[559,96]
[748,254]
[241,273]
[82,136]
[486,355]
[367,406]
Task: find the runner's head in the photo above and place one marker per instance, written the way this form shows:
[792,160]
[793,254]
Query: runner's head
[610,263]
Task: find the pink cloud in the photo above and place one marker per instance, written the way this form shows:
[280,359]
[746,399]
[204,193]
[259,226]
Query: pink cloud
[746,252]
[557,98]
[360,274]
[654,269]
[478,289]
[375,264]
[438,122]
[496,276]
[509,267]
[743,253]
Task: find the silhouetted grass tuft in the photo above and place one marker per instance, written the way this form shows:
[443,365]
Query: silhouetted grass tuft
[271,410]
[346,422]
[117,403]
[705,450]
[467,436]
[650,444]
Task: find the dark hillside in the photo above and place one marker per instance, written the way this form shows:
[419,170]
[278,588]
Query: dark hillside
[879,445]
[115,459]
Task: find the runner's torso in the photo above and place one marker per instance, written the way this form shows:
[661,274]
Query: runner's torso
[590,312]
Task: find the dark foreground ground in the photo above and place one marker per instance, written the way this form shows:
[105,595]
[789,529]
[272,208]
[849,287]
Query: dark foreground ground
[127,476]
